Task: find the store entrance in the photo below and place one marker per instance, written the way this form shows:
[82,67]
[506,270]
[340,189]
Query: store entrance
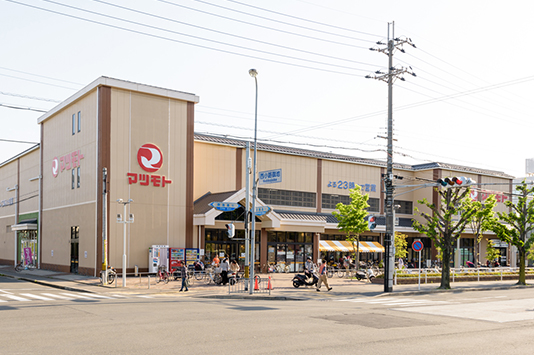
[74,248]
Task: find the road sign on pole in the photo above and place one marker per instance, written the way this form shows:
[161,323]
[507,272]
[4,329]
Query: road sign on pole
[261,210]
[417,245]
[225,206]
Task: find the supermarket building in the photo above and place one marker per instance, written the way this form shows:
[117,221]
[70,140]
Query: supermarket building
[52,201]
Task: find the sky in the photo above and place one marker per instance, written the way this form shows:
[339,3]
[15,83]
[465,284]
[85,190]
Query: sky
[470,102]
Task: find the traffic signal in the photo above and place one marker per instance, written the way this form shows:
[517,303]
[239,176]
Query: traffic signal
[456,181]
[230,230]
[371,222]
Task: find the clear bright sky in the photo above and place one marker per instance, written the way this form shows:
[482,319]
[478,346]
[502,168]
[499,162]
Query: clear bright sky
[470,104]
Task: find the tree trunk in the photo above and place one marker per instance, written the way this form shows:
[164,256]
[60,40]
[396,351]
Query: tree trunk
[522,277]
[446,269]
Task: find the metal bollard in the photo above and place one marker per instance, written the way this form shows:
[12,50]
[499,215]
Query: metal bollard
[149,281]
[136,268]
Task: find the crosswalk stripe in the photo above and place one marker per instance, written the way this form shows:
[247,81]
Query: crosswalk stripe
[2,301]
[57,296]
[37,297]
[76,296]
[100,296]
[16,298]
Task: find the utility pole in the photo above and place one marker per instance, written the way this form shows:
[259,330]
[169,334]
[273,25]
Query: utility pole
[393,74]
[104,227]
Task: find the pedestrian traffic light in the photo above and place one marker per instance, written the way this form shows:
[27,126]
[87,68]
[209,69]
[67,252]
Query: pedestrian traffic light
[371,222]
[456,181]
[230,230]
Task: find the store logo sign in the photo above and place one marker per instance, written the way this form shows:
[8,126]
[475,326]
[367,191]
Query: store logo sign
[66,162]
[149,157]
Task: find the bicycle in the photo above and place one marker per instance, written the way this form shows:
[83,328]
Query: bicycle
[162,275]
[112,275]
[20,266]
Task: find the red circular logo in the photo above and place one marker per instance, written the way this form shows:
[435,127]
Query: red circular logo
[149,157]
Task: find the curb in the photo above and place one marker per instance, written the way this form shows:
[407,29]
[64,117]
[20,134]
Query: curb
[44,283]
[249,297]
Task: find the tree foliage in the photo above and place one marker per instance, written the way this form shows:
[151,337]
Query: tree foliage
[446,224]
[515,227]
[401,245]
[351,218]
[482,219]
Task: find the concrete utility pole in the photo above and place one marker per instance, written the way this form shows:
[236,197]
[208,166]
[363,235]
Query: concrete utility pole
[125,221]
[393,73]
[104,227]
[253,73]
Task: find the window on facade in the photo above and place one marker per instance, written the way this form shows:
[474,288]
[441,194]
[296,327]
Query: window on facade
[75,232]
[78,177]
[287,197]
[406,207]
[73,179]
[79,121]
[330,201]
[73,124]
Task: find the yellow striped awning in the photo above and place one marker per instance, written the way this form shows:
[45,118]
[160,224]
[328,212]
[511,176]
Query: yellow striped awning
[346,246]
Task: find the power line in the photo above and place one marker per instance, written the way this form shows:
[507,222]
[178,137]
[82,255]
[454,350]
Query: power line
[303,19]
[41,76]
[233,35]
[282,22]
[34,81]
[15,141]
[261,26]
[22,108]
[175,40]
[27,97]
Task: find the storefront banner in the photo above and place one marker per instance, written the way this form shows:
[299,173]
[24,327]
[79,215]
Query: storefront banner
[28,256]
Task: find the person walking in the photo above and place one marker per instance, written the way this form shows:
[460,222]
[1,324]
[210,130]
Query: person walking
[183,273]
[308,268]
[322,276]
[216,261]
[224,271]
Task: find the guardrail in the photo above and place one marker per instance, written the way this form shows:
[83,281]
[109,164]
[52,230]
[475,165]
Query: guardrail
[263,285]
[463,272]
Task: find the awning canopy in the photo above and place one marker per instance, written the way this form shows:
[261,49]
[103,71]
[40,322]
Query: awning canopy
[346,246]
[25,225]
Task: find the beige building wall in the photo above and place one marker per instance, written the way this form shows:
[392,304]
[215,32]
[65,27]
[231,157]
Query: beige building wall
[8,179]
[63,206]
[29,183]
[298,173]
[335,173]
[215,168]
[160,217]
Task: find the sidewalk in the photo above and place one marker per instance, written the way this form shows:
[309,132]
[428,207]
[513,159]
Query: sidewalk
[283,289]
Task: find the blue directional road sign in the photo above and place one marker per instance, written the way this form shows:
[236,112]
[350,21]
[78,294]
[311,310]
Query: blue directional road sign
[225,206]
[261,210]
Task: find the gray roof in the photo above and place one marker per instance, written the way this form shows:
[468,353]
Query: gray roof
[307,216]
[202,204]
[324,155]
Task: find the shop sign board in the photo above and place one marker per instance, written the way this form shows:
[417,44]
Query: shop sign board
[270,176]
[150,159]
[7,202]
[347,185]
[66,162]
[225,206]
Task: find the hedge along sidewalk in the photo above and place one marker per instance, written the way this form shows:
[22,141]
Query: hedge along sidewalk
[411,276]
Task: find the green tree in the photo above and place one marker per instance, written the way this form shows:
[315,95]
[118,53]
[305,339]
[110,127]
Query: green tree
[351,218]
[515,226]
[482,219]
[401,245]
[491,252]
[442,228]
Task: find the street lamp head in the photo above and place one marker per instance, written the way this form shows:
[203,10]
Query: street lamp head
[119,200]
[253,72]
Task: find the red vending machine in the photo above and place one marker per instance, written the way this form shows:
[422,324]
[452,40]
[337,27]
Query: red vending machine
[175,255]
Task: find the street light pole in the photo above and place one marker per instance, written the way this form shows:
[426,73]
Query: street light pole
[253,73]
[124,221]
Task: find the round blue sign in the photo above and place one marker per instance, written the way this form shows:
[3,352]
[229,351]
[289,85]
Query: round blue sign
[417,245]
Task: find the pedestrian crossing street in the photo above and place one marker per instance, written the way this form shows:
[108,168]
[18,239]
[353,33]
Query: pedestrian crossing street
[395,301]
[59,296]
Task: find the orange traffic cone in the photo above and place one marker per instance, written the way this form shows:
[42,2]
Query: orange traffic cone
[256,287]
[269,285]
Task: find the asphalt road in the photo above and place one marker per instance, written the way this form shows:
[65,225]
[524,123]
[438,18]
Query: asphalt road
[483,322]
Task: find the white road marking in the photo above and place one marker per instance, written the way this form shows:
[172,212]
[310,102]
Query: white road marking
[76,296]
[16,298]
[37,297]
[57,296]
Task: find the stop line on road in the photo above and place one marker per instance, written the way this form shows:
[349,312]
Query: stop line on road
[389,301]
[61,296]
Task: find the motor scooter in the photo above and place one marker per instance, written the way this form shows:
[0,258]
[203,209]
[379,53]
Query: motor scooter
[305,280]
[365,274]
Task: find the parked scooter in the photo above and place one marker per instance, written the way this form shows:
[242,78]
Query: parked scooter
[233,277]
[305,280]
[365,274]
